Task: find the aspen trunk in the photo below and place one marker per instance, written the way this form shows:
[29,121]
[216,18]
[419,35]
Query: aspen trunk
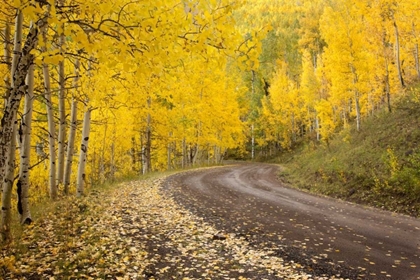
[25,153]
[168,156]
[8,143]
[208,156]
[216,154]
[169,153]
[143,161]
[416,57]
[356,97]
[51,122]
[318,135]
[51,128]
[81,176]
[112,168]
[7,59]
[7,187]
[387,89]
[133,154]
[184,153]
[397,55]
[148,146]
[294,138]
[358,115]
[252,126]
[72,133]
[61,115]
[17,91]
[70,146]
[147,151]
[196,154]
[102,173]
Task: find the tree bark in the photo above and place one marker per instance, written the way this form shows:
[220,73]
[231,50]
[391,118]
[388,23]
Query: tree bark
[358,115]
[17,91]
[148,144]
[318,135]
[81,175]
[112,167]
[7,59]
[252,125]
[397,55]
[356,97]
[62,113]
[9,147]
[416,57]
[387,89]
[168,156]
[70,146]
[25,153]
[51,124]
[133,154]
[72,133]
[184,153]
[147,148]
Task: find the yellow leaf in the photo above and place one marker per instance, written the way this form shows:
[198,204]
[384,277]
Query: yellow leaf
[17,3]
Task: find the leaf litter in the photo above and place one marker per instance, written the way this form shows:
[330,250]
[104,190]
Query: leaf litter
[136,232]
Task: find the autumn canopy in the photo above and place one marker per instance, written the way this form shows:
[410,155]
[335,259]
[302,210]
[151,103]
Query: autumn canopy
[98,90]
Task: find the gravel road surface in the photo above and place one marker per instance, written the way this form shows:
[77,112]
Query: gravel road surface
[326,237]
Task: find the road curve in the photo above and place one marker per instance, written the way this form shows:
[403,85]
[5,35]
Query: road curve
[326,236]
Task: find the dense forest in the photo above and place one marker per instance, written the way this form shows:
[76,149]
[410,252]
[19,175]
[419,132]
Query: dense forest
[95,91]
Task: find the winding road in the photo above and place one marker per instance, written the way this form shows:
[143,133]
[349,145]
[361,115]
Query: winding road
[327,237]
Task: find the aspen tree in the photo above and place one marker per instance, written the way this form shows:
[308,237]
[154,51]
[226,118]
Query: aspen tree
[8,162]
[397,54]
[61,107]
[81,175]
[17,91]
[72,133]
[51,121]
[25,152]
[7,59]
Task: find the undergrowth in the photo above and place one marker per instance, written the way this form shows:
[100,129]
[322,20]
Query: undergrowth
[377,166]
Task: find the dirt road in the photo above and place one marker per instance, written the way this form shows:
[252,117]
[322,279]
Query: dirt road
[324,236]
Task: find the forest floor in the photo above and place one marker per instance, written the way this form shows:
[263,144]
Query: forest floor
[134,231]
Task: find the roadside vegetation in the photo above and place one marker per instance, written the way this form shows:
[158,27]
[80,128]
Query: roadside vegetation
[132,230]
[377,166]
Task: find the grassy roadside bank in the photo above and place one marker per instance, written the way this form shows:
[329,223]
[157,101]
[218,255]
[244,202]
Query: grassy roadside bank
[377,166]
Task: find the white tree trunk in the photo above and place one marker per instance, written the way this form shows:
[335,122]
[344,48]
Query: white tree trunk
[216,154]
[184,154]
[148,141]
[62,114]
[7,59]
[17,91]
[196,155]
[318,135]
[51,125]
[25,153]
[72,133]
[252,126]
[397,55]
[387,88]
[168,156]
[70,146]
[81,176]
[358,114]
[9,136]
[416,58]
